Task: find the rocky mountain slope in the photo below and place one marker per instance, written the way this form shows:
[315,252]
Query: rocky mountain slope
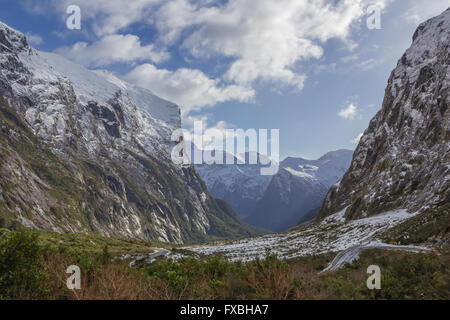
[83,151]
[403,158]
[297,190]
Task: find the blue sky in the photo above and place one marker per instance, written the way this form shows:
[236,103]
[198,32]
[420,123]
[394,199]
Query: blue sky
[309,68]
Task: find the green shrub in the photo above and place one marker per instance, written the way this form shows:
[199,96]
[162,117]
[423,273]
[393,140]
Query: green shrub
[21,274]
[106,257]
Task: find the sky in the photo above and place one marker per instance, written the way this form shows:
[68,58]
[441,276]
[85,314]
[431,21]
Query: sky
[315,70]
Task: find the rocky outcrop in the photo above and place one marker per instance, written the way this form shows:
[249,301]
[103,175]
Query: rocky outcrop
[403,158]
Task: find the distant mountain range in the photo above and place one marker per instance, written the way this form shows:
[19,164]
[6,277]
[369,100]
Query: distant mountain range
[240,185]
[277,202]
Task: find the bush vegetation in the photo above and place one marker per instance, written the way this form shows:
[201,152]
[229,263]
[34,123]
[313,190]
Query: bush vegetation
[32,267]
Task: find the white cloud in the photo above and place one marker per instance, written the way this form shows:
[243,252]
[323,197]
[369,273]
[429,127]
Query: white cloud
[112,49]
[267,39]
[34,39]
[35,7]
[350,58]
[108,16]
[358,138]
[189,88]
[423,10]
[262,41]
[207,142]
[331,67]
[349,112]
[368,64]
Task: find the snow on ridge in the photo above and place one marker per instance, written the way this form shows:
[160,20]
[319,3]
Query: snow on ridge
[98,85]
[426,44]
[301,174]
[14,37]
[49,77]
[89,85]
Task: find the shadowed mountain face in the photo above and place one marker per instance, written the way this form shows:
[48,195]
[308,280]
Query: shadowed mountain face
[403,158]
[239,184]
[277,202]
[299,187]
[83,151]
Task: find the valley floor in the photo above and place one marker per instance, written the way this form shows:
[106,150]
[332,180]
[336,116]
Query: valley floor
[284,266]
[332,234]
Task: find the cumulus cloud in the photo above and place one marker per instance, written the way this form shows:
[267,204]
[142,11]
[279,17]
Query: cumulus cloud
[34,39]
[348,113]
[106,16]
[368,64]
[358,138]
[112,49]
[189,88]
[262,41]
[207,143]
[266,39]
[422,10]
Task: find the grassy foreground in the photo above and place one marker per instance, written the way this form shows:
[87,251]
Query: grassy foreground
[33,266]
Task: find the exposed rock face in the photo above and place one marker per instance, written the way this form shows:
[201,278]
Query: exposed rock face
[403,158]
[83,151]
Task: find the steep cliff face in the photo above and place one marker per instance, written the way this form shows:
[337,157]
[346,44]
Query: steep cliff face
[403,158]
[83,151]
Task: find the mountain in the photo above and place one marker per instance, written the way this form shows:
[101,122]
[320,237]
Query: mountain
[403,158]
[82,151]
[239,184]
[297,189]
[276,202]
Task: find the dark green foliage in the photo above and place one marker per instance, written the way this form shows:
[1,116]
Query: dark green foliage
[431,226]
[106,256]
[33,267]
[403,276]
[191,278]
[21,275]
